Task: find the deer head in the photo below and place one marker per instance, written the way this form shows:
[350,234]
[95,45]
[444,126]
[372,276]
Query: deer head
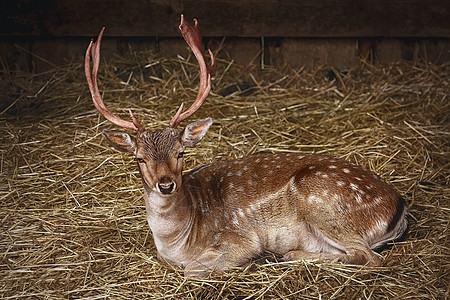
[159,153]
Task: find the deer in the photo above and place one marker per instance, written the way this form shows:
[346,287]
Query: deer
[219,216]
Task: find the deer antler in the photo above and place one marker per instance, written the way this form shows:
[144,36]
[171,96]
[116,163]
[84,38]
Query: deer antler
[91,77]
[194,40]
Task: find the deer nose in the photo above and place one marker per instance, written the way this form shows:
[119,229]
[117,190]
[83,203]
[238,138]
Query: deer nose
[166,186]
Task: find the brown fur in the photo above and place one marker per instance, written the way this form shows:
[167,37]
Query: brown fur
[300,206]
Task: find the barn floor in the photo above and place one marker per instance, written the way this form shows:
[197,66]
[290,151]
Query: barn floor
[72,215]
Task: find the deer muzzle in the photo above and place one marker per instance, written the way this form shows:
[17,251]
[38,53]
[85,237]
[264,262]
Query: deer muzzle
[166,186]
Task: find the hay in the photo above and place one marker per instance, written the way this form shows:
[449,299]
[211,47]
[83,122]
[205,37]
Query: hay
[72,214]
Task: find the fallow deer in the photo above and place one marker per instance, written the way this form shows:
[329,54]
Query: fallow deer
[221,215]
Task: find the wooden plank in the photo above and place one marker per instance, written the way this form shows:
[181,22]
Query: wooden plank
[40,55]
[245,18]
[15,55]
[339,53]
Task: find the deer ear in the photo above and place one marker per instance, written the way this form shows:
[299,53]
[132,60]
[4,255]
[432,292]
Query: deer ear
[120,140]
[194,132]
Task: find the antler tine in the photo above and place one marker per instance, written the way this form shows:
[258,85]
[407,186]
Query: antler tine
[194,40]
[93,51]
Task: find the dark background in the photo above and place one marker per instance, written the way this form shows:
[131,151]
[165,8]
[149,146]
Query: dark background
[37,35]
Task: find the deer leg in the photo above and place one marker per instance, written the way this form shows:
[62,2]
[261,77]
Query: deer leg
[222,257]
[204,264]
[355,254]
[214,261]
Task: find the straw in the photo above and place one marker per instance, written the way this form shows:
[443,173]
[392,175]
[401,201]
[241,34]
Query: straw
[73,222]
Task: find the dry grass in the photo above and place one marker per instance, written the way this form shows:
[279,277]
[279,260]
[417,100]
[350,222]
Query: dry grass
[72,215]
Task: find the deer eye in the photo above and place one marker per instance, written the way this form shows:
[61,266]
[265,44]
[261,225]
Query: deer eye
[140,160]
[180,155]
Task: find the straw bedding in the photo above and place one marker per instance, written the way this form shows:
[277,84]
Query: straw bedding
[72,213]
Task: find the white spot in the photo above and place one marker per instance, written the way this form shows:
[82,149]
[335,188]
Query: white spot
[245,168]
[357,178]
[358,198]
[354,187]
[239,173]
[231,185]
[234,219]
[229,174]
[250,182]
[300,156]
[257,160]
[325,193]
[314,199]
[346,170]
[324,175]
[241,213]
[311,167]
[249,211]
[378,200]
[216,223]
[340,183]
[332,167]
[265,166]
[221,179]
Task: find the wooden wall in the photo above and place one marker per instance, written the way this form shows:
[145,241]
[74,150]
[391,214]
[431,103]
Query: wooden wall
[36,35]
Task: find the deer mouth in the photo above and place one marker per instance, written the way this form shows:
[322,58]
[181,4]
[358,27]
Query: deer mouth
[166,186]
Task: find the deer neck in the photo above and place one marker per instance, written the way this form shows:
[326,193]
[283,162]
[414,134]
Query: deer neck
[172,210]
[171,220]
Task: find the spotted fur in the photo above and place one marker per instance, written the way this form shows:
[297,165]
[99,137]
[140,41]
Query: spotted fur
[297,205]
